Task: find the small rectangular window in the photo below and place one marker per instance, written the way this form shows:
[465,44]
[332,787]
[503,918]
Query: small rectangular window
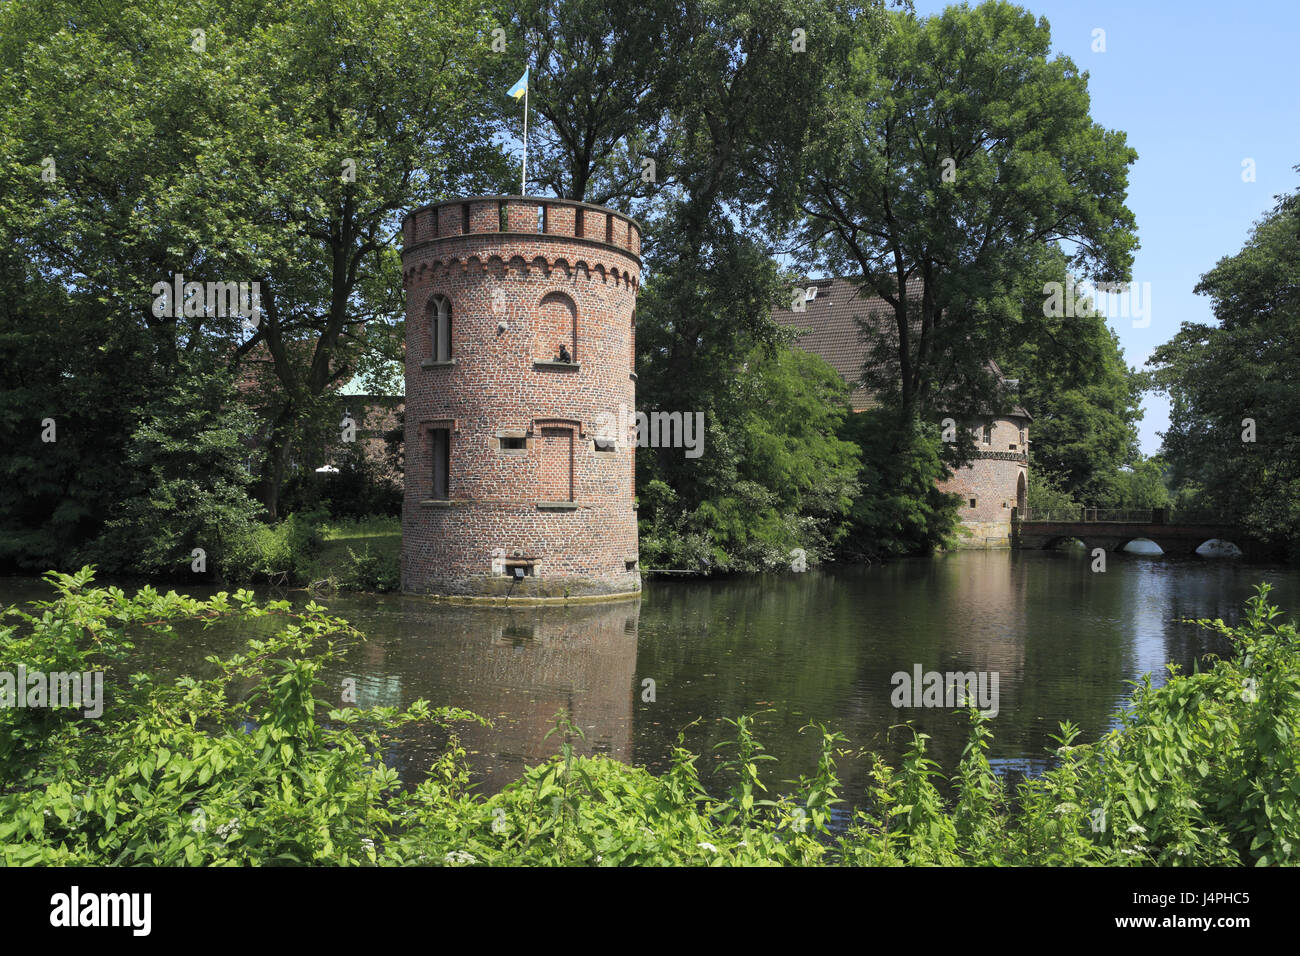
[972,502]
[605,444]
[988,434]
[519,569]
[514,444]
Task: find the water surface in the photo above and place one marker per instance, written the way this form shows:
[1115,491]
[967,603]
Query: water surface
[820,646]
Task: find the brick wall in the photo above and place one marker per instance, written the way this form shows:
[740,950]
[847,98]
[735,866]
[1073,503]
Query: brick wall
[557,504]
[992,480]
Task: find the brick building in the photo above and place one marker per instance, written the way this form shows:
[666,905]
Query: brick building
[520,326]
[837,313]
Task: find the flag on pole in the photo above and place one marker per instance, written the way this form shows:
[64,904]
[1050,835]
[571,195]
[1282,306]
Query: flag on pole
[520,88]
[520,91]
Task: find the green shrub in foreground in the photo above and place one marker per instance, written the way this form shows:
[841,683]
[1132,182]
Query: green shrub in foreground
[249,767]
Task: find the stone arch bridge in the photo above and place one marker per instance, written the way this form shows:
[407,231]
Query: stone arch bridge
[1113,530]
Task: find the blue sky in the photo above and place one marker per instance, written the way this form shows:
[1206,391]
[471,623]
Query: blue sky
[1198,87]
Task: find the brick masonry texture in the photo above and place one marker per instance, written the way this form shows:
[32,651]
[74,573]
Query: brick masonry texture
[994,479]
[557,505]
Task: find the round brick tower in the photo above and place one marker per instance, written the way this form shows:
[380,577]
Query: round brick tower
[520,326]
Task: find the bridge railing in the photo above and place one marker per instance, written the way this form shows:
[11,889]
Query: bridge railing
[1121,515]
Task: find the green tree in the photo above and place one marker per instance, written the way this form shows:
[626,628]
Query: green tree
[900,509]
[68,381]
[960,154]
[782,478]
[1233,440]
[1045,496]
[600,86]
[188,462]
[280,144]
[1142,485]
[1085,399]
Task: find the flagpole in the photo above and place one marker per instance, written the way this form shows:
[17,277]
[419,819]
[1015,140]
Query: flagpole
[523,181]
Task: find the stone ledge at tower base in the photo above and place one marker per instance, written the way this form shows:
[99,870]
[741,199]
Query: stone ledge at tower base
[558,592]
[984,535]
[560,588]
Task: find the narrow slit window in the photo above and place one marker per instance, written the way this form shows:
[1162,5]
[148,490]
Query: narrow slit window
[972,502]
[440,329]
[440,446]
[511,443]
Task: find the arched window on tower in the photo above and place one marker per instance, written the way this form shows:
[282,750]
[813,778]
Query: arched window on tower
[556,338]
[440,328]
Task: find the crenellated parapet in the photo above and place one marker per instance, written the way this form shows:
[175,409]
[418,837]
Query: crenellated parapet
[531,216]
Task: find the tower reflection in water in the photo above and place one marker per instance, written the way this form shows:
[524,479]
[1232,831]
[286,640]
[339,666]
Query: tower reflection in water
[515,666]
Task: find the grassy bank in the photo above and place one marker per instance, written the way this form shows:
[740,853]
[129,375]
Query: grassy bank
[1202,771]
[310,549]
[362,554]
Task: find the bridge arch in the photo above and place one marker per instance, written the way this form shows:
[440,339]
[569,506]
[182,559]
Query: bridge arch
[1140,539]
[1218,548]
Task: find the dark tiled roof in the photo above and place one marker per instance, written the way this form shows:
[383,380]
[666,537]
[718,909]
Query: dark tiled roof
[835,318]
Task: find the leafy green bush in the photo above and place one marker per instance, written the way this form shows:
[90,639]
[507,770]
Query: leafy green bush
[1046,495]
[274,551]
[371,572]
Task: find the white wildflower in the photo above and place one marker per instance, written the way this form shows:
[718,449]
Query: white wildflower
[228,830]
[459,858]
[707,846]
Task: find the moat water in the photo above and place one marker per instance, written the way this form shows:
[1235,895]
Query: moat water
[794,648]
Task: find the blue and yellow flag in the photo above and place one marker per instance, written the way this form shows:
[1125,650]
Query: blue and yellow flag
[520,88]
